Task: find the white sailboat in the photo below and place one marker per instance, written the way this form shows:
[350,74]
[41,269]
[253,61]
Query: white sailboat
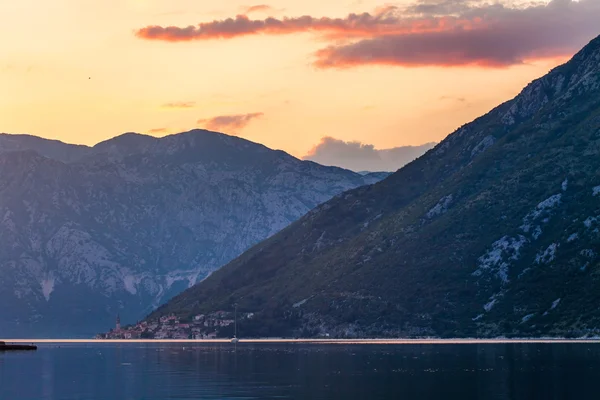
[235,338]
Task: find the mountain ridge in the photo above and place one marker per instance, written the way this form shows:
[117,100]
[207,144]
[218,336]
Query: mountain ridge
[92,232]
[129,140]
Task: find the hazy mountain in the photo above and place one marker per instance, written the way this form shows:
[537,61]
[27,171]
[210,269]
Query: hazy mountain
[54,149]
[493,232]
[120,227]
[375,176]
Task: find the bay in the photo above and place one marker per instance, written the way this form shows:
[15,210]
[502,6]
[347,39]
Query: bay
[153,371]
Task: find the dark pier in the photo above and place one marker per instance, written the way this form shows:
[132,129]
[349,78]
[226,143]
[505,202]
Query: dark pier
[8,347]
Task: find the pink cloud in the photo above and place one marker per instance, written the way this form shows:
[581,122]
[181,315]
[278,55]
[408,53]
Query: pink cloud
[425,33]
[356,24]
[498,37]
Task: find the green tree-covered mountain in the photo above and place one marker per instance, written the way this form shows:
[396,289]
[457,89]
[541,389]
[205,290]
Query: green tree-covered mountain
[493,232]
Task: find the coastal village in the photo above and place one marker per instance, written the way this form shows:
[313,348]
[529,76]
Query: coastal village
[210,326]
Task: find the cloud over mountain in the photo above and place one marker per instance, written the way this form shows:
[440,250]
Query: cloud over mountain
[358,156]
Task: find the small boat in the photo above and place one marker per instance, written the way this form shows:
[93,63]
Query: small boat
[8,347]
[235,338]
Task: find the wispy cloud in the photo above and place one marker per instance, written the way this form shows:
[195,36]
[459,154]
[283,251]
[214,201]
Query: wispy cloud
[158,130]
[258,8]
[453,98]
[225,122]
[425,33]
[358,156]
[16,68]
[179,104]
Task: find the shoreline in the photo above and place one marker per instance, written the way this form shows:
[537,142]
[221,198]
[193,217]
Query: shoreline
[316,341]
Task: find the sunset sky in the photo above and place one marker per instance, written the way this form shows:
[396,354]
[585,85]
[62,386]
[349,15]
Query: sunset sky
[286,73]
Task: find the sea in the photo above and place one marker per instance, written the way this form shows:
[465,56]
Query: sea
[403,370]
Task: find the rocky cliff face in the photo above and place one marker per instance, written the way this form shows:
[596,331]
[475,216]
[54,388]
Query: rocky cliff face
[121,227]
[493,232]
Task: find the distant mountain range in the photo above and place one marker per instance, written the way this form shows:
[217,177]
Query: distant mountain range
[118,228]
[494,232]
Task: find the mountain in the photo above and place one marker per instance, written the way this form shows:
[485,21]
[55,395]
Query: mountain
[375,176]
[118,228]
[493,232]
[53,149]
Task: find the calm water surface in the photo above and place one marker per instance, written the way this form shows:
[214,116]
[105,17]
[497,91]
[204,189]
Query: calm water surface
[153,371]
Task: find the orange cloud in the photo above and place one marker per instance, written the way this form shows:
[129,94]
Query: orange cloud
[158,130]
[354,24]
[225,122]
[179,104]
[426,33]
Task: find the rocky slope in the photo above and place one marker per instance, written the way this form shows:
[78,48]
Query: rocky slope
[121,227]
[493,232]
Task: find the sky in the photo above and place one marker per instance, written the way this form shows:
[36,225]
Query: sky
[290,74]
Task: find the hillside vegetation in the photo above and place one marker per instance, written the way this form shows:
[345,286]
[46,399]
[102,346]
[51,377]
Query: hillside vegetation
[493,232]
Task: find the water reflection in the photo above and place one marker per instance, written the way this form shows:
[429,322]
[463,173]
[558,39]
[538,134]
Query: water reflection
[299,371]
